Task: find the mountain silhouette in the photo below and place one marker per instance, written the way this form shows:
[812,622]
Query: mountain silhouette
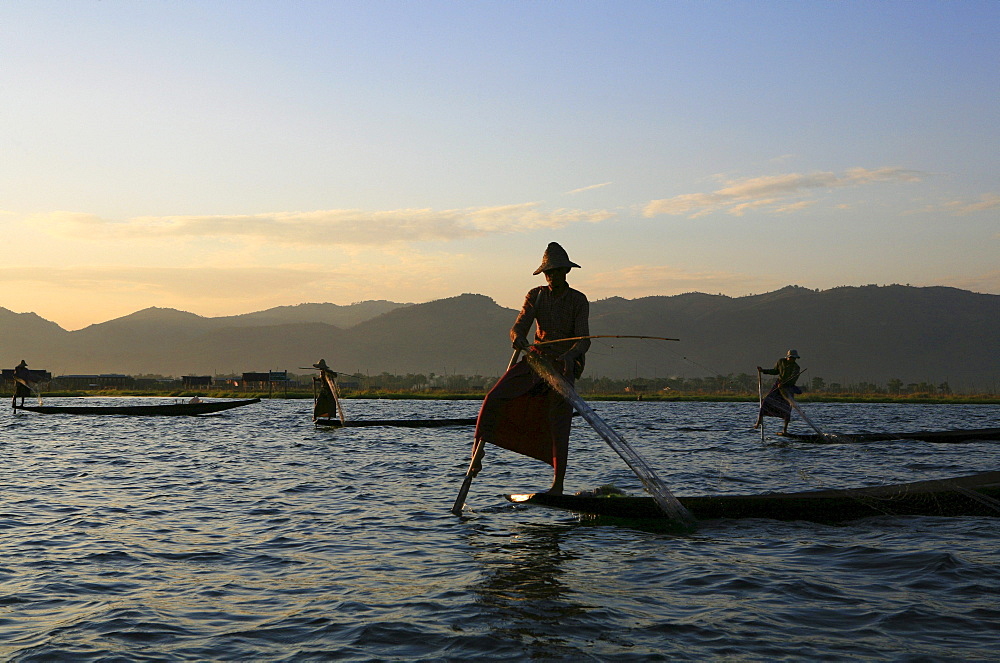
[845,335]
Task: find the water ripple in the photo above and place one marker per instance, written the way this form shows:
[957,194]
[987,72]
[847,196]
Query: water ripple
[253,535]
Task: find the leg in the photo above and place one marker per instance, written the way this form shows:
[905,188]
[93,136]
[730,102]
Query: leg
[561,416]
[560,453]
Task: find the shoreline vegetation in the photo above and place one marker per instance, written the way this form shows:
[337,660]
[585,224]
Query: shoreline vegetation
[403,394]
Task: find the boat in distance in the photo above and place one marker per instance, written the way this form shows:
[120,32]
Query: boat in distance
[157,409]
[973,495]
[945,436]
[401,423]
[329,412]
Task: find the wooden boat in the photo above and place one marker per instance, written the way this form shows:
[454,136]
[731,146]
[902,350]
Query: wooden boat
[944,436]
[974,495]
[328,410]
[158,410]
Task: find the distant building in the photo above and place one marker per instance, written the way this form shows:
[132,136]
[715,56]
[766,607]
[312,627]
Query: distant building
[255,381]
[196,381]
[102,381]
[155,384]
[37,375]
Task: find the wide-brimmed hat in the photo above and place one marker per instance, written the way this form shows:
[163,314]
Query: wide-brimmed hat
[555,256]
[792,353]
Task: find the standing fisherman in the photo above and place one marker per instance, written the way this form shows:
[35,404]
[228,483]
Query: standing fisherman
[521,412]
[777,403]
[325,405]
[22,383]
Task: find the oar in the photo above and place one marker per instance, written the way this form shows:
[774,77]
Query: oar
[476,448]
[661,494]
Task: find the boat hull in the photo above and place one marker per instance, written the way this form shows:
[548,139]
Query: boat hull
[941,436]
[402,423]
[161,410]
[974,495]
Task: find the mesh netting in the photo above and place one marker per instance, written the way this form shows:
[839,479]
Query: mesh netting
[652,483]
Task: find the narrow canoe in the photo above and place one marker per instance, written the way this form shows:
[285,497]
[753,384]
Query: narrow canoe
[944,436]
[161,409]
[403,423]
[975,495]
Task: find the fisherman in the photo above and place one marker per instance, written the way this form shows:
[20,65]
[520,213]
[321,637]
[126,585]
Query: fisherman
[325,405]
[22,383]
[521,412]
[777,403]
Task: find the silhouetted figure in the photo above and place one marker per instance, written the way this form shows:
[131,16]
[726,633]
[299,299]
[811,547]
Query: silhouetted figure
[521,412]
[777,403]
[22,383]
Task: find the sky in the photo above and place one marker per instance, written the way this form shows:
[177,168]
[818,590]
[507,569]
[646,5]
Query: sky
[228,157]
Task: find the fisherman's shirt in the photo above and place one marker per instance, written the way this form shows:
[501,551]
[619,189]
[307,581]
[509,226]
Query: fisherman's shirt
[786,370]
[566,315]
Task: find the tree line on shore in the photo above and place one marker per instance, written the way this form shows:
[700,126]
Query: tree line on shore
[742,383]
[736,384]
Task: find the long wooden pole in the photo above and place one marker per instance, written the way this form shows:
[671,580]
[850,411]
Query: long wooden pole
[580,338]
[477,447]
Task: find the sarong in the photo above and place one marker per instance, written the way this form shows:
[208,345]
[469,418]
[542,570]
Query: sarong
[775,404]
[523,414]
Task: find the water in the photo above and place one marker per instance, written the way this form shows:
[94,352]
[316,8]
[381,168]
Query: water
[253,535]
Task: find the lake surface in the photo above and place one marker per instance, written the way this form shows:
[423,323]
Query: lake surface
[253,535]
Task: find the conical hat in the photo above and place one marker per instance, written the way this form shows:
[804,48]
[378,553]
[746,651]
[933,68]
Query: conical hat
[555,256]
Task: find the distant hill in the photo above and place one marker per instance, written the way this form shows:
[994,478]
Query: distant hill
[845,335]
[331,314]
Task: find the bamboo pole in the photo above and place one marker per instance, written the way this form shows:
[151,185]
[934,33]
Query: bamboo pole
[580,338]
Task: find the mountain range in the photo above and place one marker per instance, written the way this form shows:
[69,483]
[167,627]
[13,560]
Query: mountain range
[845,335]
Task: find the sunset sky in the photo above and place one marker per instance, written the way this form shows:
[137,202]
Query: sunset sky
[227,157]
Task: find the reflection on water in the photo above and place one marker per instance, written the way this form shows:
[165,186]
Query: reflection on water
[521,589]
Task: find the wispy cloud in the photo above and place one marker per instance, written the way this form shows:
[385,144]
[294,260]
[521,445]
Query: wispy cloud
[986,202]
[588,188]
[330,227]
[195,282]
[771,192]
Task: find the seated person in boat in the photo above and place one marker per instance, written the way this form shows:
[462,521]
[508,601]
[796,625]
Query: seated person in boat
[521,412]
[776,403]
